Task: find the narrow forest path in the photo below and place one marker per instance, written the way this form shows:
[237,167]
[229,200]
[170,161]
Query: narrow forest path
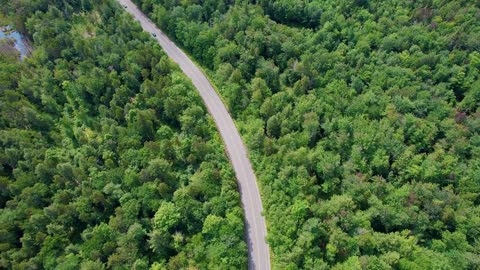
[258,250]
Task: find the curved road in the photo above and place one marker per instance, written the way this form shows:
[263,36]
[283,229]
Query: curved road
[258,251]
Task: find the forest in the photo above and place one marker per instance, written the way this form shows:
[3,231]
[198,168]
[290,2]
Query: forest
[108,159]
[362,120]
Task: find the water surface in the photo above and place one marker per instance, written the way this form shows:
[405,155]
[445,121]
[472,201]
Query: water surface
[20,43]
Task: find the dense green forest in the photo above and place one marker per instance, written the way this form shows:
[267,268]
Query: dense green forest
[362,119]
[108,159]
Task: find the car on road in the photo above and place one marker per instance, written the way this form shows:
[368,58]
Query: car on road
[125,6]
[154,35]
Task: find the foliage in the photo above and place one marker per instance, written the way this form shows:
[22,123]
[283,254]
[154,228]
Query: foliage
[361,118]
[108,160]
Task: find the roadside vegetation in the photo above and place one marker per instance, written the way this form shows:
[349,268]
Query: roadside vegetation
[108,159]
[362,120]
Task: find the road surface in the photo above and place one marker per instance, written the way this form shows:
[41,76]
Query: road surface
[258,251]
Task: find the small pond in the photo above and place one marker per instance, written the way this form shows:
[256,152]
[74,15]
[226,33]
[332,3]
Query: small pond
[20,43]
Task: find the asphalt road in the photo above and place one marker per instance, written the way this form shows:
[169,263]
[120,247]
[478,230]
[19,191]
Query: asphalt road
[258,250]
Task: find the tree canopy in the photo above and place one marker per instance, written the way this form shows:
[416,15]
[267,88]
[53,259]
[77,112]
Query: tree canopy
[108,160]
[361,118]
